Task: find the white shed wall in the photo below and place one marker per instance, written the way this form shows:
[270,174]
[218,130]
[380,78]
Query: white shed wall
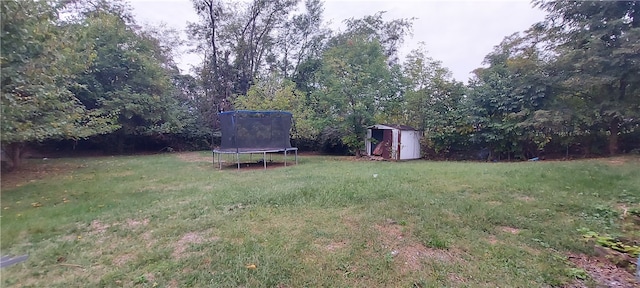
[410,145]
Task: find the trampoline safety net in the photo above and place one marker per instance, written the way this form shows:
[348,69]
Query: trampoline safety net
[255,130]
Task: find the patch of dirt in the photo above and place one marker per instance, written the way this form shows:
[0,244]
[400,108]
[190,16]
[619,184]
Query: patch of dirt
[350,222]
[98,227]
[132,223]
[508,229]
[173,283]
[376,158]
[333,246]
[119,174]
[526,198]
[617,161]
[151,278]
[187,239]
[236,207]
[493,240]
[148,238]
[603,272]
[408,251]
[181,246]
[33,170]
[455,278]
[123,259]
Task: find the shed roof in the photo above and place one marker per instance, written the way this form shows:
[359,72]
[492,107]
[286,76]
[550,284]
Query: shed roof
[393,126]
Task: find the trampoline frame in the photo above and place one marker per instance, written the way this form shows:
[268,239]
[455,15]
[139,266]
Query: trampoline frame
[263,151]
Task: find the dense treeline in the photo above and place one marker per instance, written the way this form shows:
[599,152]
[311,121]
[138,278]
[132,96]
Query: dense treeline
[85,70]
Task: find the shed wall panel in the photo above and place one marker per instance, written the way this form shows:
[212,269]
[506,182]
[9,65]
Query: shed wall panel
[410,146]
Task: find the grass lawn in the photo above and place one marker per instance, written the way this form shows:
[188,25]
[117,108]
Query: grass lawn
[172,220]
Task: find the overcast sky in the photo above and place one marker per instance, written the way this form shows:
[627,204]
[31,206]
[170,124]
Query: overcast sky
[458,33]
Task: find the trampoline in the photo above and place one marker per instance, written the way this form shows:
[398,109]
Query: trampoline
[255,132]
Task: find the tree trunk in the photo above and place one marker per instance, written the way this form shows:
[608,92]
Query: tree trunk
[14,152]
[613,138]
[214,53]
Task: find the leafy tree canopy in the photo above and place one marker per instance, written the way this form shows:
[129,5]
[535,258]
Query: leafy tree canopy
[40,64]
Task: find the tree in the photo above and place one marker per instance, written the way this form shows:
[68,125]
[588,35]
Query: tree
[357,80]
[597,44]
[242,42]
[130,77]
[215,74]
[39,64]
[242,35]
[434,102]
[278,93]
[390,34]
[354,79]
[506,95]
[300,38]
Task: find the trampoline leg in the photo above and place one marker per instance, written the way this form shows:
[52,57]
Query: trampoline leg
[264,159]
[219,162]
[285,157]
[296,157]
[238,159]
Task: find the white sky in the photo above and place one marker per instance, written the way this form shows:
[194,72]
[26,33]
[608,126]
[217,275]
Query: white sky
[458,33]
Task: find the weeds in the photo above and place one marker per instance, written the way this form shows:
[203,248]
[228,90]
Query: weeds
[611,242]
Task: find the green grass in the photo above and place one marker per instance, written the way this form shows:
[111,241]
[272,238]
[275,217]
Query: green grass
[159,220]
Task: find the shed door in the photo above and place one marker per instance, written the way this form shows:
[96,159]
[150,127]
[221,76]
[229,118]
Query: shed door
[387,138]
[378,136]
[410,145]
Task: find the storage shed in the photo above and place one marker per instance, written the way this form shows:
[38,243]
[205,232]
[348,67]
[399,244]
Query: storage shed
[393,142]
